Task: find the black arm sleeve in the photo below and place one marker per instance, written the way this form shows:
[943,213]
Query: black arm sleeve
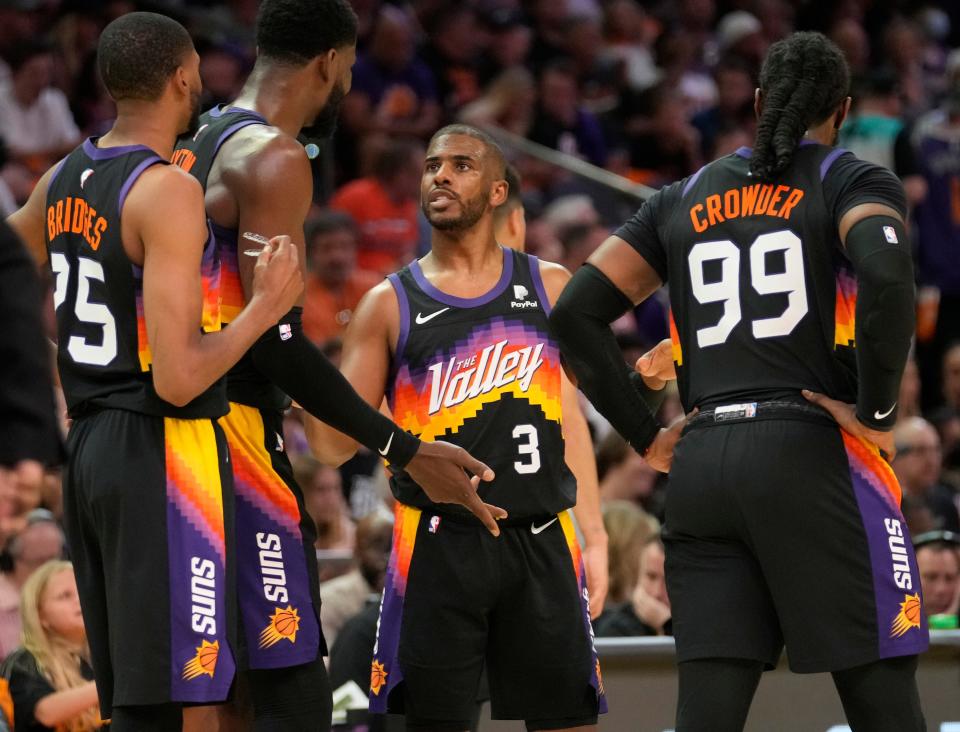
[288,358]
[581,320]
[880,252]
[28,422]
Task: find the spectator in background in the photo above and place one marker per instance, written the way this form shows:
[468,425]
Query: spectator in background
[324,500]
[509,218]
[852,39]
[938,559]
[623,473]
[50,677]
[734,107]
[561,121]
[647,612]
[874,123]
[740,34]
[629,528]
[385,205]
[917,466]
[908,401]
[629,44]
[509,45]
[951,376]
[35,117]
[345,596]
[334,283]
[451,52]
[509,102]
[40,541]
[664,146]
[223,69]
[393,91]
[598,73]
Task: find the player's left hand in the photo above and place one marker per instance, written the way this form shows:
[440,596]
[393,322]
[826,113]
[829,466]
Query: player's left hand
[659,455]
[656,366]
[846,416]
[598,578]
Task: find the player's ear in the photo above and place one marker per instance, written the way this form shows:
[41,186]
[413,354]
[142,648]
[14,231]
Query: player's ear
[498,193]
[842,113]
[757,102]
[324,67]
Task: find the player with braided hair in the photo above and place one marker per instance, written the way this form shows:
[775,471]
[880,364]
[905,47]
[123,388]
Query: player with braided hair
[791,290]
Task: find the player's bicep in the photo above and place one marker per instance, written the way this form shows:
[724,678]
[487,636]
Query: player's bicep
[626,268]
[365,360]
[271,202]
[169,219]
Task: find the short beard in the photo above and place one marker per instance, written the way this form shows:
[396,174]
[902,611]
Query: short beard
[325,124]
[471,213]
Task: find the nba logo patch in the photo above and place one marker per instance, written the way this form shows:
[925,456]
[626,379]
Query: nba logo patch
[434,524]
[890,235]
[286,333]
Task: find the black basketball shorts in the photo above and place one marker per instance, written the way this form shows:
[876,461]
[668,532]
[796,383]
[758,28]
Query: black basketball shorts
[456,597]
[148,506]
[788,530]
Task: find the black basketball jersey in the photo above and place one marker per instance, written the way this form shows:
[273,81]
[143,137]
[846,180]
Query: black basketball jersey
[762,295]
[104,356]
[484,373]
[196,155]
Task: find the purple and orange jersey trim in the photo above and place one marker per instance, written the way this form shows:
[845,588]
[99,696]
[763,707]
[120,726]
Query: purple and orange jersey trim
[385,671]
[570,534]
[866,462]
[675,341]
[202,665]
[845,314]
[253,475]
[467,368]
[231,289]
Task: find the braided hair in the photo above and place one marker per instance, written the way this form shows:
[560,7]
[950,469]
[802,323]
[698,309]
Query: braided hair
[803,79]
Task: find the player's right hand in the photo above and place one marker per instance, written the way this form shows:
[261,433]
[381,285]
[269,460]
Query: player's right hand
[659,455]
[846,416]
[277,278]
[438,468]
[656,366]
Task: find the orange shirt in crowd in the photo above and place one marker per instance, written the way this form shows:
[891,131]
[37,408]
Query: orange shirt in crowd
[388,230]
[326,313]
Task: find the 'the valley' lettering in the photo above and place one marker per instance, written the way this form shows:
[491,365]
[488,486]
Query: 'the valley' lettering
[493,371]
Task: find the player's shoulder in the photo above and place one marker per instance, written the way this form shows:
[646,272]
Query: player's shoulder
[263,155]
[842,167]
[554,276]
[166,180]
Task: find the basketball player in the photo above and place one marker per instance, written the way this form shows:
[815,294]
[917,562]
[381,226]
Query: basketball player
[459,343]
[790,276]
[257,178]
[147,491]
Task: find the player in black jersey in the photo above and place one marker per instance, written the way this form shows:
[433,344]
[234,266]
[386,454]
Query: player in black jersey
[147,491]
[459,343]
[790,276]
[257,178]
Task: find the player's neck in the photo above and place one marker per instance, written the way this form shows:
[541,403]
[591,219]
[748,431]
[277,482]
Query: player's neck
[825,133]
[272,93]
[142,124]
[470,253]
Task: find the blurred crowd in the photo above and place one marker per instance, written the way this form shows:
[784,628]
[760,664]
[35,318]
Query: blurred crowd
[647,89]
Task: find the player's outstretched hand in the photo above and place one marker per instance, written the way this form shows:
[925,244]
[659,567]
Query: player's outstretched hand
[659,455]
[277,278]
[846,416]
[656,365]
[438,468]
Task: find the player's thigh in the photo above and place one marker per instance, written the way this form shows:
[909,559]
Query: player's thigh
[720,603]
[541,661]
[833,546]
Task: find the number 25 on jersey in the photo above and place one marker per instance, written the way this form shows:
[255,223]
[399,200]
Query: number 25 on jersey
[790,282]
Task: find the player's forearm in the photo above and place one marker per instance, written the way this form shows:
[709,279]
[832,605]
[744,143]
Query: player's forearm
[62,706]
[292,362]
[885,316]
[182,374]
[328,445]
[581,319]
[578,452]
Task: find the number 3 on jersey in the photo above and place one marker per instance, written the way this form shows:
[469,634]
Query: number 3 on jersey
[791,282]
[87,312]
[530,446]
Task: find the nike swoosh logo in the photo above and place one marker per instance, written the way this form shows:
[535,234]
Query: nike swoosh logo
[877,415]
[421,318]
[386,448]
[534,529]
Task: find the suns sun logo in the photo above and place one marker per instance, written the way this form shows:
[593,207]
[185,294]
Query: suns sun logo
[284,624]
[204,663]
[908,617]
[378,677]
